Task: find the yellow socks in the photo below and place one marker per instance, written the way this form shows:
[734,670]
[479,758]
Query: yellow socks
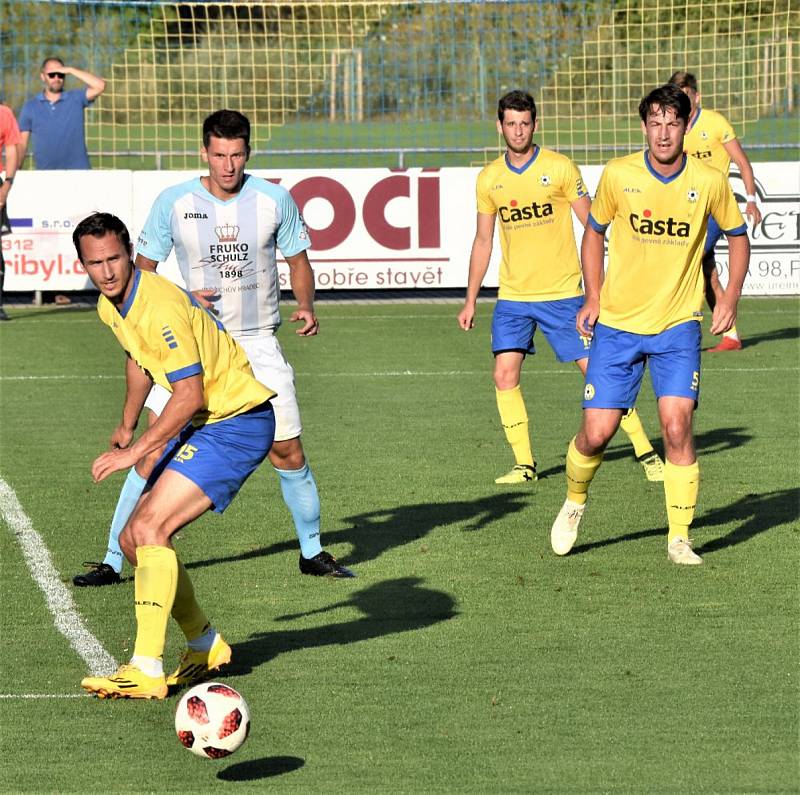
[185,610]
[681,486]
[732,333]
[580,471]
[155,582]
[514,418]
[632,425]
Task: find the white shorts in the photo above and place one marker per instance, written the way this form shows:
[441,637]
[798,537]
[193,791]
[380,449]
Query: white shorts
[271,368]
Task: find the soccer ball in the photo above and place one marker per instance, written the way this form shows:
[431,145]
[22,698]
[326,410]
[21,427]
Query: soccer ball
[212,720]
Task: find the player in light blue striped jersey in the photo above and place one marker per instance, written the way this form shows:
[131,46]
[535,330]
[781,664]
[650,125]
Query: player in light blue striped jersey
[226,227]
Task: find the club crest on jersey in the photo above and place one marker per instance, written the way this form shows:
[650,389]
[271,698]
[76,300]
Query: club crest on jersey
[544,179]
[693,195]
[704,135]
[645,224]
[514,213]
[227,233]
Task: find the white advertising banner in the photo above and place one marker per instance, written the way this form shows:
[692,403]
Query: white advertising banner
[370,228]
[44,207]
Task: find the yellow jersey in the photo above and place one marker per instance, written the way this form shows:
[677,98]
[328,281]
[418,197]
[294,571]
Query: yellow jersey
[654,279]
[171,337]
[533,207]
[706,135]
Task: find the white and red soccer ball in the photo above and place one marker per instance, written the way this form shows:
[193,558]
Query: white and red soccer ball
[212,720]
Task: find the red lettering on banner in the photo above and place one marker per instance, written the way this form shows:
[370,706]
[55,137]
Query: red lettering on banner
[344,210]
[428,232]
[381,231]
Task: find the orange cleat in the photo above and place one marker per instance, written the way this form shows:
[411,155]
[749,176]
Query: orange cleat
[726,344]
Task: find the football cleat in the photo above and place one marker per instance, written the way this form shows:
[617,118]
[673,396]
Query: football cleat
[324,565]
[195,666]
[653,466]
[3,314]
[564,532]
[726,344]
[100,574]
[127,682]
[521,473]
[680,551]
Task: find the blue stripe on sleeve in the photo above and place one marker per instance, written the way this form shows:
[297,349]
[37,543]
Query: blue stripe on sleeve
[601,228]
[185,372]
[738,232]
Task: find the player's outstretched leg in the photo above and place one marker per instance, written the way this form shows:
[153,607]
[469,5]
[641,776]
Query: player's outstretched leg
[650,460]
[107,572]
[207,650]
[580,471]
[300,494]
[681,487]
[514,418]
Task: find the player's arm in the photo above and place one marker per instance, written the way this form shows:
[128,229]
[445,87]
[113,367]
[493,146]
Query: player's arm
[95,85]
[12,162]
[138,385]
[478,265]
[145,263]
[301,280]
[187,399]
[581,209]
[22,147]
[742,161]
[592,251]
[724,315]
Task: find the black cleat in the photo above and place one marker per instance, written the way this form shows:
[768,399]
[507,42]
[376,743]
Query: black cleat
[100,574]
[324,565]
[3,315]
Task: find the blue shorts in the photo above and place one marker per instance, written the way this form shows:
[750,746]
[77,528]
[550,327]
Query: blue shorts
[617,360]
[514,323]
[713,235]
[219,457]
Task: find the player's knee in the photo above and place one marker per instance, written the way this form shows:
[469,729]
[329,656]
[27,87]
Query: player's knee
[127,546]
[593,438]
[676,431]
[506,378]
[146,529]
[287,454]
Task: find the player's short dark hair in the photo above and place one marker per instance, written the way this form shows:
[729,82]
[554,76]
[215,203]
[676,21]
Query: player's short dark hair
[51,58]
[227,124]
[516,100]
[683,80]
[666,96]
[99,225]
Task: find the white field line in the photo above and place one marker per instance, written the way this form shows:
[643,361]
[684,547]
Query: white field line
[66,617]
[398,373]
[58,317]
[31,696]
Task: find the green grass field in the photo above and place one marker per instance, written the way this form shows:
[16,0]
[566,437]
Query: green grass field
[397,135]
[465,657]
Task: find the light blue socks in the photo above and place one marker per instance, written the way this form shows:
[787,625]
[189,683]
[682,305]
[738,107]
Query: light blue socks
[131,491]
[300,495]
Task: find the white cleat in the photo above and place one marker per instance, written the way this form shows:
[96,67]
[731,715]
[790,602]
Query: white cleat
[680,551]
[565,528]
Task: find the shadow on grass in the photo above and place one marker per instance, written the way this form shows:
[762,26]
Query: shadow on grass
[387,608]
[717,440]
[788,333]
[374,532]
[752,514]
[266,767]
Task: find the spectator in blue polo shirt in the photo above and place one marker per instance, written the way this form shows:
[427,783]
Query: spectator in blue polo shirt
[55,117]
